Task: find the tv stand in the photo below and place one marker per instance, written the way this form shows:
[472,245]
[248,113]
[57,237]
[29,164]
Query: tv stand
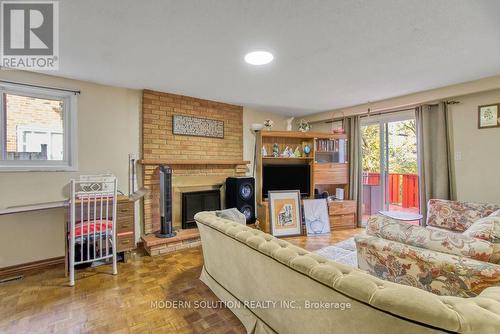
[328,160]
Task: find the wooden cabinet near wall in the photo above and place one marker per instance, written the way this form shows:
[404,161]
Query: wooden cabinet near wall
[329,170]
[342,214]
[125,232]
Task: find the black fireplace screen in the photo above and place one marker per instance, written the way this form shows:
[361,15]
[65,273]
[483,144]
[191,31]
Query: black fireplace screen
[196,201]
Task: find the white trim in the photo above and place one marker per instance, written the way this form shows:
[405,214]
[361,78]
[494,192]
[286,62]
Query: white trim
[32,207]
[70,145]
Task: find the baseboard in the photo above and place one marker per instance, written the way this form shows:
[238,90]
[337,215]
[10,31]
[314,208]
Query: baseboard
[36,265]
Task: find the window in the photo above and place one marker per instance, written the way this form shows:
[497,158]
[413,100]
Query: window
[37,128]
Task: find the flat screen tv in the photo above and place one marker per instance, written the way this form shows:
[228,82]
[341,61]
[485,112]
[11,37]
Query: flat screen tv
[286,177]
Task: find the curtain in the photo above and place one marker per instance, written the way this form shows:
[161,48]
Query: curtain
[353,131]
[434,152]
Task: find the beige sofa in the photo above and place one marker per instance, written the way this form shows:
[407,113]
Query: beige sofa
[249,270]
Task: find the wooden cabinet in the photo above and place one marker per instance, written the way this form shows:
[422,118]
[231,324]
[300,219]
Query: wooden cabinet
[342,214]
[125,232]
[329,164]
[331,173]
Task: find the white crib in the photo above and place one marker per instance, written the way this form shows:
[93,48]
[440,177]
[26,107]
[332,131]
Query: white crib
[92,221]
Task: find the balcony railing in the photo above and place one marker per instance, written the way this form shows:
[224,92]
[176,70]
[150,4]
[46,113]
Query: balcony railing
[403,188]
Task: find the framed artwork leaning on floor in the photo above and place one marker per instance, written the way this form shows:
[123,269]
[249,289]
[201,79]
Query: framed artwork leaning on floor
[316,216]
[285,212]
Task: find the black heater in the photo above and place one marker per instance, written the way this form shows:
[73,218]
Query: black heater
[166,229]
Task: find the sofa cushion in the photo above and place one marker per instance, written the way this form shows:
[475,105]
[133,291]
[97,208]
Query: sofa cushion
[487,228]
[439,241]
[232,214]
[495,214]
[455,215]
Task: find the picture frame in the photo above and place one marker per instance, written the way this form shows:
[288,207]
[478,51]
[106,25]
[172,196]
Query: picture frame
[316,216]
[488,116]
[285,213]
[198,127]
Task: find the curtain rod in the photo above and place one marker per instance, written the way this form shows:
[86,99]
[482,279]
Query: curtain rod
[39,86]
[389,110]
[371,113]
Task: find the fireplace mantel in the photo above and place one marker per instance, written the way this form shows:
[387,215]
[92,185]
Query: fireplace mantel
[192,162]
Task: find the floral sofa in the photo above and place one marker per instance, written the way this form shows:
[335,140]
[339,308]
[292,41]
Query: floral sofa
[458,254]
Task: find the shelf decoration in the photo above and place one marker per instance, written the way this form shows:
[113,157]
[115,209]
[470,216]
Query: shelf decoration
[307,149]
[276,150]
[304,126]
[199,127]
[297,152]
[268,124]
[264,151]
[289,123]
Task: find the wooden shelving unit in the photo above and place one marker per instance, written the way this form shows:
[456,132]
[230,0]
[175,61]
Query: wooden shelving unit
[326,176]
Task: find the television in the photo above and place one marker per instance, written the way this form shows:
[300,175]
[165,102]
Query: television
[286,177]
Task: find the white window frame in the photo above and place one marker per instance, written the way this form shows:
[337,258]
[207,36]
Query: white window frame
[70,162]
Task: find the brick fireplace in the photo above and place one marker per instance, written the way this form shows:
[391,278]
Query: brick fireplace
[198,163]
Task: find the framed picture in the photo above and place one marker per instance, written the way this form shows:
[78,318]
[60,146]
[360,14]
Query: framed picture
[199,127]
[488,116]
[316,216]
[285,213]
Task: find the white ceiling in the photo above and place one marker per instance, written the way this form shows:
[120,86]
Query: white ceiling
[328,54]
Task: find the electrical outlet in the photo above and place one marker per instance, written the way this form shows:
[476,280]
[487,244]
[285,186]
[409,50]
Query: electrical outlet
[458,156]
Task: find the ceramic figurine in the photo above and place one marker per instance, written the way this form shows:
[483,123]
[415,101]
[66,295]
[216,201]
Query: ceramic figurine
[289,123]
[276,150]
[307,150]
[304,126]
[264,151]
[285,153]
[297,152]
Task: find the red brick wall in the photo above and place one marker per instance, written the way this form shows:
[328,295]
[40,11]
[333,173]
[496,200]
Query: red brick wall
[34,112]
[158,142]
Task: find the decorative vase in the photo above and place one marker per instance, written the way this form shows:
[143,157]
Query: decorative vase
[268,123]
[289,123]
[304,126]
[307,150]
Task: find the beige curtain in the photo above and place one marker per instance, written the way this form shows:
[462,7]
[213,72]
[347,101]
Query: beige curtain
[353,131]
[434,151]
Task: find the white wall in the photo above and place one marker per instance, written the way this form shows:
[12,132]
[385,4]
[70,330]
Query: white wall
[254,116]
[108,130]
[477,173]
[109,120]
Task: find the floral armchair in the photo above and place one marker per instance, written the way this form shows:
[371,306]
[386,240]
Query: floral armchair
[442,261]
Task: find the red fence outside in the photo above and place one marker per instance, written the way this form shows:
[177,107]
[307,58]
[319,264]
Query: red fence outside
[403,188]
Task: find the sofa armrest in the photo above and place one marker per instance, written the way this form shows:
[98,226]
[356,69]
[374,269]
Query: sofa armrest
[456,215]
[436,272]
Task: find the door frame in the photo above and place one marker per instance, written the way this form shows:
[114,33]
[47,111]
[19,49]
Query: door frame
[382,120]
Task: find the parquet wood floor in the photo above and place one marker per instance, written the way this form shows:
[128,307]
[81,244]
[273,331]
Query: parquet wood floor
[102,303]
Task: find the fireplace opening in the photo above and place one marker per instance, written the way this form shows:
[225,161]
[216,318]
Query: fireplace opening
[196,201]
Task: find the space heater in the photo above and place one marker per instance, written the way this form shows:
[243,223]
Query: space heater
[166,229]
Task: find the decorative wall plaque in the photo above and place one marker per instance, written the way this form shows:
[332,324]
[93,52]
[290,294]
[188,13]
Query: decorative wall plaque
[194,126]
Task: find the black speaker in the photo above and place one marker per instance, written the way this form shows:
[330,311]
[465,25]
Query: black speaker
[240,194]
[166,229]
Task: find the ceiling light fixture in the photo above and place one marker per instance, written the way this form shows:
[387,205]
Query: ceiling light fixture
[259,57]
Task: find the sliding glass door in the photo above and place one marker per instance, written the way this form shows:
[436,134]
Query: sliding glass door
[389,162]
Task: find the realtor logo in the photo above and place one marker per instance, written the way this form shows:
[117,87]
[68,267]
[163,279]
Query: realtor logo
[30,35]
